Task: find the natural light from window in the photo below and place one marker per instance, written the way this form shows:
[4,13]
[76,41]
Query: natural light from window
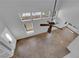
[26,14]
[8,37]
[36,13]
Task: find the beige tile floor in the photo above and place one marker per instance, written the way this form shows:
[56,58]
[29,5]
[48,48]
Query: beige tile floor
[45,45]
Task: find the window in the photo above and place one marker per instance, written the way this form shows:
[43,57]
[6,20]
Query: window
[45,14]
[7,36]
[26,16]
[34,15]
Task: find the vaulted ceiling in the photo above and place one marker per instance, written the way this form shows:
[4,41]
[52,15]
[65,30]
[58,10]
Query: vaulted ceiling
[9,10]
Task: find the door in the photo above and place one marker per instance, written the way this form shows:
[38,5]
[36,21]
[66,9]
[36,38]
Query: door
[8,42]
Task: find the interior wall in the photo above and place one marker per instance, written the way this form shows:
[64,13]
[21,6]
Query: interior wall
[2,26]
[69,10]
[10,10]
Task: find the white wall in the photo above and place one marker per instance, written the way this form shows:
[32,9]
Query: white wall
[9,10]
[2,26]
[69,10]
[37,28]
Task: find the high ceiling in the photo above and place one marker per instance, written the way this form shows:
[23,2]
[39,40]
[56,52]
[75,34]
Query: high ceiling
[9,10]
